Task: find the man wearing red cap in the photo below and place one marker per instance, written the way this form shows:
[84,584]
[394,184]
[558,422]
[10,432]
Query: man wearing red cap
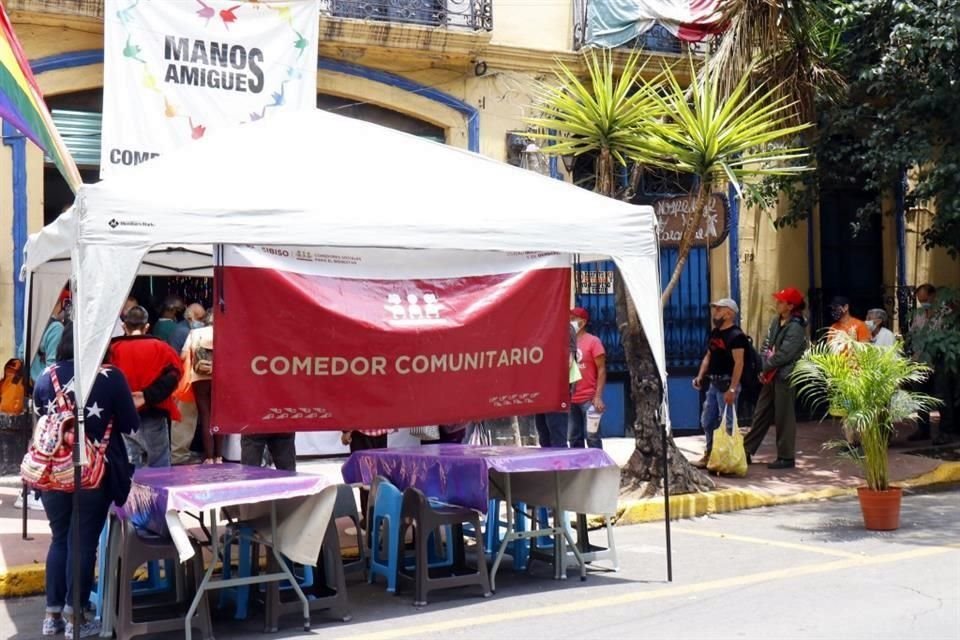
[586,405]
[785,343]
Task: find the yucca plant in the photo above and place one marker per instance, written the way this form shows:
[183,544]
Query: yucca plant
[866,388]
[603,114]
[660,123]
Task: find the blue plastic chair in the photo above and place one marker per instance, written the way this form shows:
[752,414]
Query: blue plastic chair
[387,505]
[241,536]
[493,536]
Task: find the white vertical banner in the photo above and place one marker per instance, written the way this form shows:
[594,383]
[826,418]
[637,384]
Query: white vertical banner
[177,69]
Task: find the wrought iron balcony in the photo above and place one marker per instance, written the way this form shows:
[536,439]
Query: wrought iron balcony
[658,39]
[476,15]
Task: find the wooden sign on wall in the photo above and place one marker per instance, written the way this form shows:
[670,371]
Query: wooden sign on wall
[672,214]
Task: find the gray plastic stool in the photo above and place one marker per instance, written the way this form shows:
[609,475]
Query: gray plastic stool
[425,517]
[135,550]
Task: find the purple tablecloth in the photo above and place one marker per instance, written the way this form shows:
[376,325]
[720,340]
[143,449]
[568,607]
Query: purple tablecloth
[199,488]
[460,474]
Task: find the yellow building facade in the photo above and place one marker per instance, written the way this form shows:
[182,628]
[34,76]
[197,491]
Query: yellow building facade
[469,80]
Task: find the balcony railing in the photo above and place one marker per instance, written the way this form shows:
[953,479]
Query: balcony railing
[476,15]
[658,39]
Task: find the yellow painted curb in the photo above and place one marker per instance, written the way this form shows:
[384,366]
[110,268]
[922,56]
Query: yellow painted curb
[23,580]
[693,505]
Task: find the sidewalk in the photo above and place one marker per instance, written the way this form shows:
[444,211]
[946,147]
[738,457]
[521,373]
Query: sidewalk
[819,475]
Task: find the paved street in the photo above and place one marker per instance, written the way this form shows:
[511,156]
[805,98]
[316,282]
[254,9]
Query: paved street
[806,571]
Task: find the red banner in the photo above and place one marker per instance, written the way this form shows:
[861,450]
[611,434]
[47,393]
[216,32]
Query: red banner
[302,343]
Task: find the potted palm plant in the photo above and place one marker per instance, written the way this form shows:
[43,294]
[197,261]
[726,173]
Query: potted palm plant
[866,388]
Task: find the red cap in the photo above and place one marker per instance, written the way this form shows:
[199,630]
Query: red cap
[64,295]
[790,296]
[581,313]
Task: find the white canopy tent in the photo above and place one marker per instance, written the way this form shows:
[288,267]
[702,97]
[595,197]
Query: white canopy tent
[306,179]
[47,268]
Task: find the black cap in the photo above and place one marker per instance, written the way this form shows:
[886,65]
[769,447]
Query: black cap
[839,301]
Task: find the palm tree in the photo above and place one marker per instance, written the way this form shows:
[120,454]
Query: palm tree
[795,44]
[601,117]
[866,388]
[742,136]
[625,118]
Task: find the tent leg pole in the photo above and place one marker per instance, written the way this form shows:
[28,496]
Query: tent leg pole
[27,361]
[666,501]
[23,513]
[78,609]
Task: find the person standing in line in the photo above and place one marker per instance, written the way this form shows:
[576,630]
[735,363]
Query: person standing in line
[152,369]
[844,322]
[785,342]
[721,371]
[882,337]
[47,352]
[110,401]
[586,405]
[167,324]
[182,431]
[553,428]
[199,351]
[118,331]
[925,313]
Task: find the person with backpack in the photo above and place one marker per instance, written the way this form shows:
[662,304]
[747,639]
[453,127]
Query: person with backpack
[109,413]
[785,342]
[721,371]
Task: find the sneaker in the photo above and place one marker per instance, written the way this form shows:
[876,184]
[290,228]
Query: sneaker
[53,626]
[702,462]
[88,629]
[782,463]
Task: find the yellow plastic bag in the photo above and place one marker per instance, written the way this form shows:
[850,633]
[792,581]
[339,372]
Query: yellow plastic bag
[728,456]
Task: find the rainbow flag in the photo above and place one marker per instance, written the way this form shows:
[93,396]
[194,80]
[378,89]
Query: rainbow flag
[22,105]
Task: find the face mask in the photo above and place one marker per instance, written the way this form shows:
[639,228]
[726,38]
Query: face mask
[575,324]
[871,324]
[197,324]
[924,305]
[836,313]
[718,322]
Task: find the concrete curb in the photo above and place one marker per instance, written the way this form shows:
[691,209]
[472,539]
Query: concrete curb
[28,580]
[24,580]
[698,504]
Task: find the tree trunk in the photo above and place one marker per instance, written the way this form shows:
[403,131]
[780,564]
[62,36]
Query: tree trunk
[688,236]
[604,171]
[644,470]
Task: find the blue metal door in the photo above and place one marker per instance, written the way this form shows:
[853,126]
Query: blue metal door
[686,325]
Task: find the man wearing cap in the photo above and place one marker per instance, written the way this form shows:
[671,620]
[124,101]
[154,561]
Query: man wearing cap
[785,342]
[843,322]
[586,404]
[721,371]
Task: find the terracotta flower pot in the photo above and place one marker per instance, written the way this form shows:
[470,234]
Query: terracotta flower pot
[881,509]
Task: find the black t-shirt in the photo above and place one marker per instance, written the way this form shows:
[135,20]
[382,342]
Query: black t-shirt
[720,345]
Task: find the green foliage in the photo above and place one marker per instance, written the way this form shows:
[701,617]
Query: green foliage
[864,386]
[660,123]
[938,341]
[901,60]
